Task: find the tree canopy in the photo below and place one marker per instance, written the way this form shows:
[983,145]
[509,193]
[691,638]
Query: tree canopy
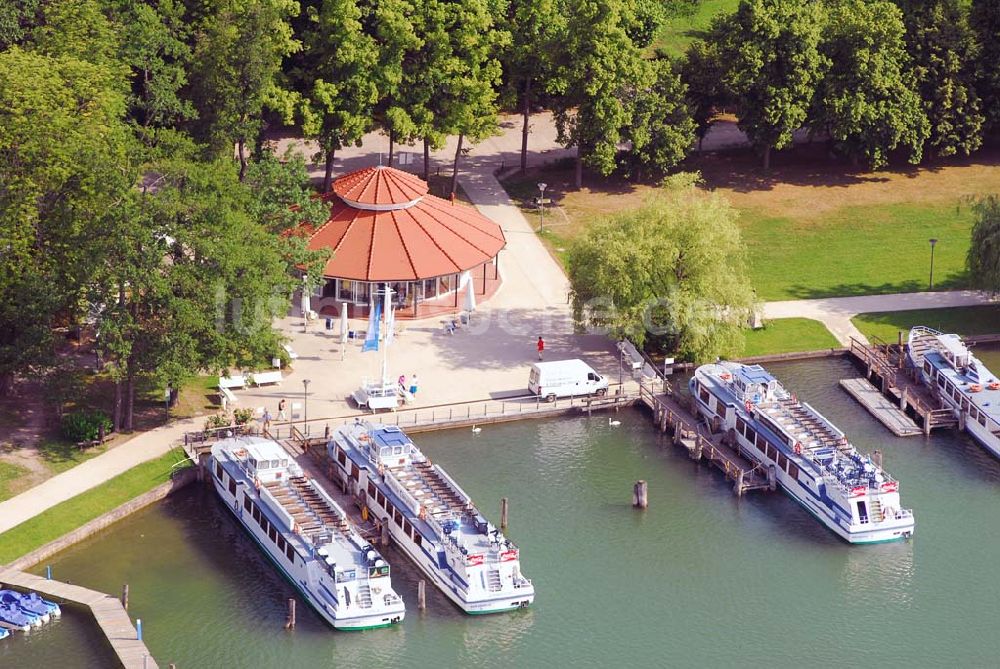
[983,260]
[673,270]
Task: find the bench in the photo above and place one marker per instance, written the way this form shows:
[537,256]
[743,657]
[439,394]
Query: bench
[227,382]
[292,355]
[228,398]
[260,378]
[631,355]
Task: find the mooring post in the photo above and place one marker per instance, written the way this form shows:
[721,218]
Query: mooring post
[640,495]
[48,572]
[125,596]
[384,539]
[504,509]
[927,423]
[422,595]
[877,458]
[290,621]
[138,629]
[772,478]
[738,486]
[326,432]
[900,349]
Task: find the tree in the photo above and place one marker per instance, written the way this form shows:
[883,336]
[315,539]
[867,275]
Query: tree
[674,269]
[702,72]
[770,52]
[237,58]
[394,32]
[17,18]
[662,129]
[867,102]
[984,18]
[598,71]
[535,26]
[983,259]
[942,48]
[64,166]
[340,91]
[79,29]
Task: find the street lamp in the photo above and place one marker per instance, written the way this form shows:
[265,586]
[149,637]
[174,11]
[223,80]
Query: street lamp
[541,206]
[930,283]
[305,405]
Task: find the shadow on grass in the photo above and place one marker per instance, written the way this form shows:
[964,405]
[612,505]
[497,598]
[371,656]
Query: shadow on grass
[954,281]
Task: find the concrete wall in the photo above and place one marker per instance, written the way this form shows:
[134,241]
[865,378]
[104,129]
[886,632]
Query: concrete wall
[183,478]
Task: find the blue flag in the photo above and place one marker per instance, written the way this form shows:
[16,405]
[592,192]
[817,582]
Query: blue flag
[371,339]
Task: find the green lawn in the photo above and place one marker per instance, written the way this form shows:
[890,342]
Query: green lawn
[789,335]
[857,251]
[675,36]
[61,455]
[960,320]
[9,473]
[71,514]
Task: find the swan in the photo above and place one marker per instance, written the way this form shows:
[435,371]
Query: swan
[613,423]
[476,430]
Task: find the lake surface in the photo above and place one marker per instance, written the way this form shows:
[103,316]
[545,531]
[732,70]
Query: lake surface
[699,577]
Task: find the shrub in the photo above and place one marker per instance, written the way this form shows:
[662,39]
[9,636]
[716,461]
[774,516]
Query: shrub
[242,416]
[216,421]
[84,425]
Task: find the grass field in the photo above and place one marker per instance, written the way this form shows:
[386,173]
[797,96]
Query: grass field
[675,36]
[9,474]
[960,320]
[71,514]
[788,335]
[813,227]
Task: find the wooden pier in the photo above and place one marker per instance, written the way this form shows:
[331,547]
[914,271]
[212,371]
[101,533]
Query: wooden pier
[879,406]
[109,612]
[669,414]
[885,368]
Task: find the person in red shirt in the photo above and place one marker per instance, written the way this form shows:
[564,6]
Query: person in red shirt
[541,347]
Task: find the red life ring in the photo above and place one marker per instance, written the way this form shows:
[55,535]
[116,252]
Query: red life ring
[798,448]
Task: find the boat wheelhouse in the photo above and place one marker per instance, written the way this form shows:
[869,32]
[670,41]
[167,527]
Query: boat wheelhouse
[430,518]
[960,381]
[802,451]
[305,533]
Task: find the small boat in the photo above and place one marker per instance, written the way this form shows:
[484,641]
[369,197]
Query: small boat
[12,617]
[4,633]
[802,451]
[430,518]
[960,381]
[31,603]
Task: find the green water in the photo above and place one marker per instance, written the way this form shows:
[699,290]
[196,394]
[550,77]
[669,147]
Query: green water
[701,577]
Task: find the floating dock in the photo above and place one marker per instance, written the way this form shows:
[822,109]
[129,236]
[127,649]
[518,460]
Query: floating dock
[109,612]
[887,413]
[670,414]
[885,368]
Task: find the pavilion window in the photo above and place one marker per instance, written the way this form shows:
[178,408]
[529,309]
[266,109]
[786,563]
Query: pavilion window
[345,290]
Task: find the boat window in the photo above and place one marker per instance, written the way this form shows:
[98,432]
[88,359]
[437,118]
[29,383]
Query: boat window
[407,527]
[782,461]
[284,462]
[927,366]
[232,485]
[271,534]
[771,453]
[941,380]
[354,471]
[398,517]
[982,419]
[384,451]
[264,524]
[274,464]
[703,395]
[380,498]
[247,503]
[741,426]
[253,463]
[974,412]
[218,470]
[341,457]
[371,489]
[417,538]
[397,450]
[750,434]
[281,543]
[965,403]
[761,443]
[290,552]
[862,512]
[793,470]
[256,513]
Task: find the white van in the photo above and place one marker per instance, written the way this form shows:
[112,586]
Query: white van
[565,378]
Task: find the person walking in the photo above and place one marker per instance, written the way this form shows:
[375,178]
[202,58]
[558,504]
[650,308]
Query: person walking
[401,381]
[266,419]
[413,385]
[540,346]
[281,410]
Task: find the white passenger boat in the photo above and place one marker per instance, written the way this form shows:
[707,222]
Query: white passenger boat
[807,455]
[960,381]
[305,533]
[430,518]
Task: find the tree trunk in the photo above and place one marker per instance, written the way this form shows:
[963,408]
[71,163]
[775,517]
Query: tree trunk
[525,129]
[130,398]
[427,159]
[392,140]
[116,408]
[328,173]
[454,172]
[767,158]
[579,167]
[241,145]
[6,385]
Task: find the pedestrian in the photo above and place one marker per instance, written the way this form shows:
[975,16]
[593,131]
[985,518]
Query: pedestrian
[266,419]
[540,346]
[413,385]
[401,381]
[281,409]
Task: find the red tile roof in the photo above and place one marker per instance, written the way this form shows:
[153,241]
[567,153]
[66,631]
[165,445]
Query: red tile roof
[384,227]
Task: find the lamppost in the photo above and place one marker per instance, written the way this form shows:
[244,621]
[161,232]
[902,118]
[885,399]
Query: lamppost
[541,206]
[930,283]
[305,405]
[621,360]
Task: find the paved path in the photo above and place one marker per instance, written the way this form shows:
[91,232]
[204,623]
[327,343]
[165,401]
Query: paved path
[836,312]
[93,472]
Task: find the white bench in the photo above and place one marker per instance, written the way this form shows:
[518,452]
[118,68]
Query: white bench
[260,378]
[631,355]
[292,355]
[228,398]
[227,382]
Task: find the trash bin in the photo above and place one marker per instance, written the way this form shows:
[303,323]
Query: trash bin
[329,323]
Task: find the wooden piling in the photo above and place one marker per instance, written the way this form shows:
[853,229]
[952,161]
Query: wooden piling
[772,478]
[504,509]
[384,538]
[738,485]
[290,621]
[900,349]
[640,495]
[422,595]
[125,596]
